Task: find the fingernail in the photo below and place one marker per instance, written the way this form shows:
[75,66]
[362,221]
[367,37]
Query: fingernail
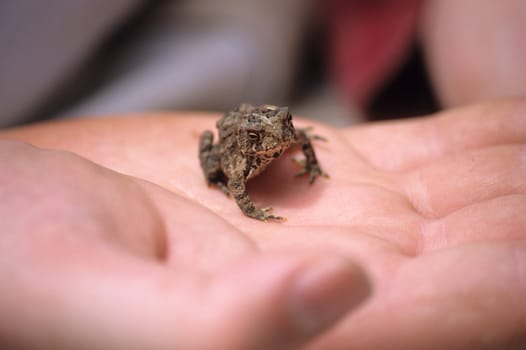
[324,291]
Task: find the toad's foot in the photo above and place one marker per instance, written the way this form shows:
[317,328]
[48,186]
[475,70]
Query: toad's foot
[265,215]
[313,169]
[306,134]
[237,188]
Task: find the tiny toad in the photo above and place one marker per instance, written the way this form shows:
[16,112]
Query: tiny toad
[249,139]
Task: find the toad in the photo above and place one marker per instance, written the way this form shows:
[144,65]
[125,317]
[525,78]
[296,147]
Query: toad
[250,138]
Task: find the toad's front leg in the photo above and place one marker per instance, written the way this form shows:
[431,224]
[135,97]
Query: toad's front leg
[237,188]
[310,165]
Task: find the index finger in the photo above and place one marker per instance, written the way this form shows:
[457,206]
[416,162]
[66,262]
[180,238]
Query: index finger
[407,144]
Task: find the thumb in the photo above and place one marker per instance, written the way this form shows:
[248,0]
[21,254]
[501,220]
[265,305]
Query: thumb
[271,301]
[281,301]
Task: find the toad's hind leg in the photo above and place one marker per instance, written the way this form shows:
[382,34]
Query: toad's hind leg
[210,160]
[238,190]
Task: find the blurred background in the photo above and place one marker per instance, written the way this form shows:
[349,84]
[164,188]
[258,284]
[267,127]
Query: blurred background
[339,61]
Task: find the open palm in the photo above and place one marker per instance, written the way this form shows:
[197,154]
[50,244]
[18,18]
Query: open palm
[432,208]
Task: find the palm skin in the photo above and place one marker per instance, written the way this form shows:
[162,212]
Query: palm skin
[432,208]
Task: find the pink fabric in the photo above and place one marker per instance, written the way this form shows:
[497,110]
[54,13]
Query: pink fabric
[368,39]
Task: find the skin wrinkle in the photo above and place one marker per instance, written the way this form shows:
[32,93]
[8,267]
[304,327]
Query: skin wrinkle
[432,229]
[365,231]
[417,194]
[474,167]
[379,212]
[420,237]
[161,239]
[410,249]
[436,235]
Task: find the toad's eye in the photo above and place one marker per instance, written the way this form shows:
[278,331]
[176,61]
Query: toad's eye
[253,136]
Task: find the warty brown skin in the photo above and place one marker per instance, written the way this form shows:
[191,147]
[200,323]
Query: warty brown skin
[250,138]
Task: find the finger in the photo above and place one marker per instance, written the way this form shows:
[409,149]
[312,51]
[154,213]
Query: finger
[54,193]
[459,180]
[403,145]
[274,302]
[499,219]
[288,299]
[468,297]
[465,68]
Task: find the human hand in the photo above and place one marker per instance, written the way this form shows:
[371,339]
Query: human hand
[475,49]
[93,259]
[432,208]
